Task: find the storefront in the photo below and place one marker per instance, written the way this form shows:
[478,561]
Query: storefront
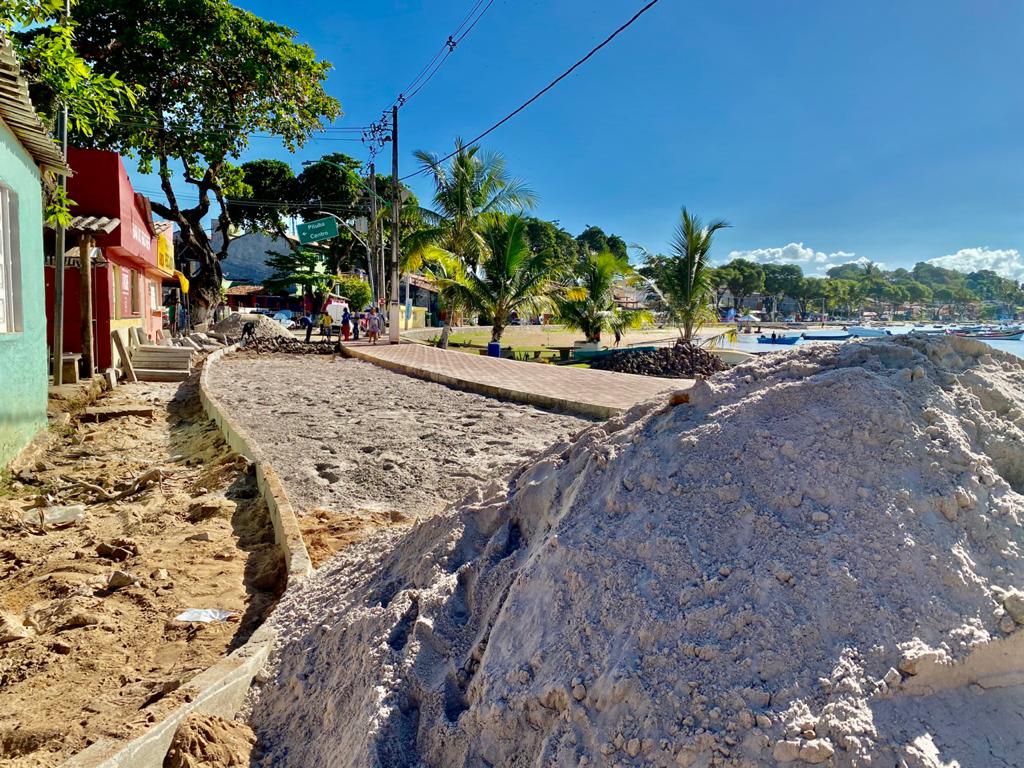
[126,270]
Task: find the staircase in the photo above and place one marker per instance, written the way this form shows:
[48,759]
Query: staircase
[153,363]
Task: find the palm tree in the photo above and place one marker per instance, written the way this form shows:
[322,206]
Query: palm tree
[473,189]
[513,278]
[587,304]
[685,277]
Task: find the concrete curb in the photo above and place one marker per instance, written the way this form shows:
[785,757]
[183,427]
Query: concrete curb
[490,390]
[221,689]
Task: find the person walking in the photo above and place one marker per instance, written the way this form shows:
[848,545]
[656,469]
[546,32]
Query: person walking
[346,319]
[374,325]
[307,323]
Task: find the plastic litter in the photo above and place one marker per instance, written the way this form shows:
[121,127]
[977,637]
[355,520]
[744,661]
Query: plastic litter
[54,517]
[204,615]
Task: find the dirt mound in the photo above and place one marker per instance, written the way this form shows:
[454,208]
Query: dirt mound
[814,561]
[290,345]
[231,326]
[682,361]
[207,740]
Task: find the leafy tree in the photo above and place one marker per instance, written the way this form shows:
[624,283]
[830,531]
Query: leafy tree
[514,277]
[213,74]
[618,246]
[685,277]
[43,38]
[781,280]
[547,236]
[809,290]
[593,240]
[469,192]
[303,268]
[587,302]
[743,279]
[850,271]
[720,277]
[356,290]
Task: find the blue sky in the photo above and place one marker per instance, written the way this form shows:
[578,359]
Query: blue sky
[822,131]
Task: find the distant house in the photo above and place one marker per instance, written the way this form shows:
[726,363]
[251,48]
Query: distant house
[26,149]
[247,256]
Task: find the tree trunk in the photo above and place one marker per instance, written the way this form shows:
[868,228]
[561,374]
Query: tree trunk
[204,292]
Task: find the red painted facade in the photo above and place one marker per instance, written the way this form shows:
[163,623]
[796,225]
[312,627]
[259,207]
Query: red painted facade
[127,290]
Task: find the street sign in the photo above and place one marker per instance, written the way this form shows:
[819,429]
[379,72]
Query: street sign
[317,230]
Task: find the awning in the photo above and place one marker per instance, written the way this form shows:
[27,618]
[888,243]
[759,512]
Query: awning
[182,280]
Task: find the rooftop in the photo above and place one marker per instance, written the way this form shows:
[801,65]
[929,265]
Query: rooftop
[20,116]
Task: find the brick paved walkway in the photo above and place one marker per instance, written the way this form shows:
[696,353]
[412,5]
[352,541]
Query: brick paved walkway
[596,393]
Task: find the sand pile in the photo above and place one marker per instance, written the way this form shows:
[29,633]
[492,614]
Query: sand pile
[816,562]
[231,326]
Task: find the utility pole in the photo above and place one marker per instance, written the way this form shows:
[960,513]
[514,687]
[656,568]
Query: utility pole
[58,258]
[396,203]
[372,236]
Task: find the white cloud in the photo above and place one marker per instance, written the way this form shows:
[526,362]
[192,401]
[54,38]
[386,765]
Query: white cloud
[1004,262]
[797,253]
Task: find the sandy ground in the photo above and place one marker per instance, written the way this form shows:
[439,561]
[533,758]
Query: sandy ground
[98,660]
[359,447]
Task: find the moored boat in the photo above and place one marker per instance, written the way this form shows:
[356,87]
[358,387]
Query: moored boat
[991,335]
[778,340]
[827,336]
[864,331]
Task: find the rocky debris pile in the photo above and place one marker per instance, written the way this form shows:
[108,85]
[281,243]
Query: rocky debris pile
[231,327]
[201,342]
[682,361]
[813,561]
[290,345]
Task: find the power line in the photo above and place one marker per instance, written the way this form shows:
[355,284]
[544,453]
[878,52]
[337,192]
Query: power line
[546,88]
[447,49]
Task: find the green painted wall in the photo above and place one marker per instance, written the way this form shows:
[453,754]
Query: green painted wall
[23,364]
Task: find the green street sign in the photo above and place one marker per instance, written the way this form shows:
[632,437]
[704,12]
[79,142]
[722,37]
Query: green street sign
[317,230]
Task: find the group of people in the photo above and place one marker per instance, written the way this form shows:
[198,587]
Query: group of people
[371,323]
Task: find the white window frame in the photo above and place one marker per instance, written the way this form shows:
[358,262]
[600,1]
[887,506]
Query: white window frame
[10,263]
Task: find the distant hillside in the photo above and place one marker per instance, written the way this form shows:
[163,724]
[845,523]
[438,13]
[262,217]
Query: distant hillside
[247,256]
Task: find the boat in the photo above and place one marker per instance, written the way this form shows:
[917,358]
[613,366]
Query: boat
[864,331]
[991,335]
[827,336]
[778,339]
[731,356]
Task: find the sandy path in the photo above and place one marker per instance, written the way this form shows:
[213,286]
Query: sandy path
[81,659]
[358,446]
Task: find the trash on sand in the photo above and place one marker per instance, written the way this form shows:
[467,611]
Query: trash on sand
[55,517]
[204,615]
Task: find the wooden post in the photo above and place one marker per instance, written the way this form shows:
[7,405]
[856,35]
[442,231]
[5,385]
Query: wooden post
[85,246]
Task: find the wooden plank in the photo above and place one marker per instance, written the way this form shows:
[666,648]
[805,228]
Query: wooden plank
[129,372]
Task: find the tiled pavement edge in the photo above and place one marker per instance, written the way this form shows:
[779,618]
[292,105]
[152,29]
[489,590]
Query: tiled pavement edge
[578,390]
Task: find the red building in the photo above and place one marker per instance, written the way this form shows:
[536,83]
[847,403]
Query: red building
[132,257]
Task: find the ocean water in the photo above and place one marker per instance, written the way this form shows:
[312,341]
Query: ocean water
[748,343]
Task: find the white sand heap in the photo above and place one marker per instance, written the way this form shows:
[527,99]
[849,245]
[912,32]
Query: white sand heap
[818,561]
[231,326]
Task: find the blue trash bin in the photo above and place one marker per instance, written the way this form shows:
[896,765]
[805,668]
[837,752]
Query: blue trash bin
[494,349]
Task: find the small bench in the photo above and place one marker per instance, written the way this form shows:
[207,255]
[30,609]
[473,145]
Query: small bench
[69,367]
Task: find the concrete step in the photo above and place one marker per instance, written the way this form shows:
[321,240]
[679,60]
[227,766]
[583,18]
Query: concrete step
[155,374]
[164,351]
[158,363]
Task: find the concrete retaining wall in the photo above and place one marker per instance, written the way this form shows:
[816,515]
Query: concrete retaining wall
[222,688]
